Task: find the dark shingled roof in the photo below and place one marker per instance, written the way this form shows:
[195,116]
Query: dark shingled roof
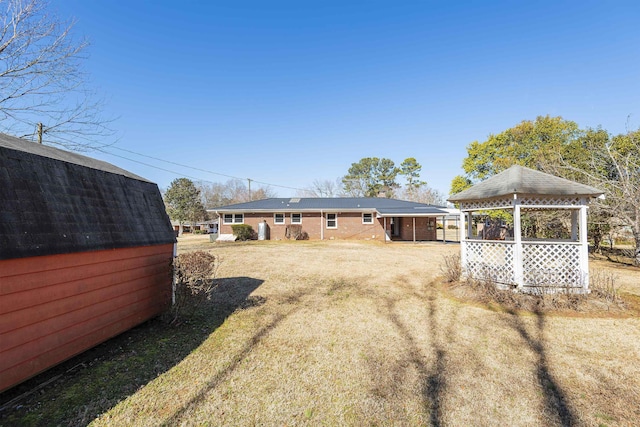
[56,202]
[381,205]
[521,180]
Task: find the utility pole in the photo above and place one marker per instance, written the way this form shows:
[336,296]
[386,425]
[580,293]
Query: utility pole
[249,179]
[40,133]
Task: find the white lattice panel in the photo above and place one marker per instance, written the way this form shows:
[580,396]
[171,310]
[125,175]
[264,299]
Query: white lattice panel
[491,260]
[551,265]
[504,202]
[550,201]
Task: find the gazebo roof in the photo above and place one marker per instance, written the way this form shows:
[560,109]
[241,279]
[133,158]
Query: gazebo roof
[521,180]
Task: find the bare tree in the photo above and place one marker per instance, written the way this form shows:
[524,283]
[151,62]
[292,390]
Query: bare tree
[212,194]
[423,194]
[231,192]
[323,188]
[619,166]
[613,165]
[43,93]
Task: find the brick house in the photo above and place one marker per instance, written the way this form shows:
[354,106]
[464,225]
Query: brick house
[337,218]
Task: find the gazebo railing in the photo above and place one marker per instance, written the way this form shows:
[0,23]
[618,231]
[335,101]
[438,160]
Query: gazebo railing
[544,264]
[551,264]
[490,259]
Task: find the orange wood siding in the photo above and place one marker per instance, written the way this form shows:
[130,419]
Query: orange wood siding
[54,307]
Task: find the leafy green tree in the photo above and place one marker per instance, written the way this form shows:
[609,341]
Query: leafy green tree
[534,144]
[183,202]
[371,176]
[459,183]
[410,169]
[538,144]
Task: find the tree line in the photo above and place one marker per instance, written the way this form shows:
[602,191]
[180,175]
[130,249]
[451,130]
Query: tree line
[188,201]
[378,177]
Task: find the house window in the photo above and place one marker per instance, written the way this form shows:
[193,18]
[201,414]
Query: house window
[233,219]
[332,220]
[367,218]
[278,218]
[296,218]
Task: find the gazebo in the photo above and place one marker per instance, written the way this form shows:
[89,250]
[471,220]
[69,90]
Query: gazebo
[529,264]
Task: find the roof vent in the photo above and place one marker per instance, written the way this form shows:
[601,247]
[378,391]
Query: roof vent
[296,200]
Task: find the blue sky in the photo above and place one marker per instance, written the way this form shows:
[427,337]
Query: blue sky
[287,92]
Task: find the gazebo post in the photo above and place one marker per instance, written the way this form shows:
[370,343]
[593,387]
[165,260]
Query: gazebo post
[444,228]
[518,274]
[574,225]
[385,228]
[584,246]
[414,229]
[463,240]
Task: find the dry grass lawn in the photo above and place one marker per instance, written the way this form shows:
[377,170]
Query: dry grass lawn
[346,333]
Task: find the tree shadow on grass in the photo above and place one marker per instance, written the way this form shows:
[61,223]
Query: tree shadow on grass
[435,385]
[556,405]
[214,380]
[433,377]
[78,390]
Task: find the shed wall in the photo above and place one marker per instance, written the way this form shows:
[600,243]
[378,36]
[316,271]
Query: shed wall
[56,306]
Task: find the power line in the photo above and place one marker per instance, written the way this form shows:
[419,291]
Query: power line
[177,164]
[152,166]
[185,166]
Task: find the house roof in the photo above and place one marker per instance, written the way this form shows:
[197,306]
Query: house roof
[56,202]
[383,206]
[521,180]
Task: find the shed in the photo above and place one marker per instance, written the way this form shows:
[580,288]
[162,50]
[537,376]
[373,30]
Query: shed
[530,264]
[85,254]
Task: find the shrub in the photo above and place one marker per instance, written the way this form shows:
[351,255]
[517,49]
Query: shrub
[542,296]
[452,268]
[603,285]
[295,232]
[243,231]
[452,227]
[194,274]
